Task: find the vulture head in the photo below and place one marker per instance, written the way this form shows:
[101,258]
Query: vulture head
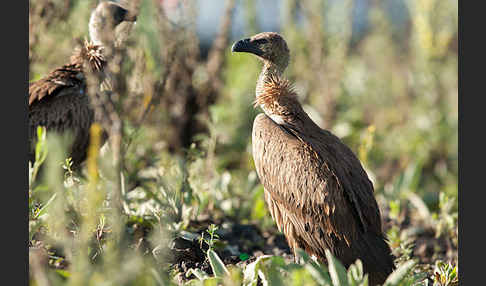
[105,18]
[274,94]
[270,47]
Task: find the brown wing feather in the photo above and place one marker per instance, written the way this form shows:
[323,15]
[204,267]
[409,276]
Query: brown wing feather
[290,173]
[59,102]
[67,76]
[315,201]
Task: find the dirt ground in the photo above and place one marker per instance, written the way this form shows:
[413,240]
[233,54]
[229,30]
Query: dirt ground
[236,239]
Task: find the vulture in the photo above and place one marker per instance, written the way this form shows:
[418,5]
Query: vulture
[59,101]
[315,187]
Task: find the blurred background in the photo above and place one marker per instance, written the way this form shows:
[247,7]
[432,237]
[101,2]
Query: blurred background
[380,74]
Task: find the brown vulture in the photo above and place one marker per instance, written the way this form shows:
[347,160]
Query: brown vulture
[317,192]
[59,101]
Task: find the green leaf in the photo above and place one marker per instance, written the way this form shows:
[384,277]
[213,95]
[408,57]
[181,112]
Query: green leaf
[259,210]
[201,275]
[318,272]
[250,275]
[44,207]
[400,273]
[356,274]
[40,148]
[63,273]
[219,269]
[40,153]
[244,256]
[213,281]
[271,275]
[337,271]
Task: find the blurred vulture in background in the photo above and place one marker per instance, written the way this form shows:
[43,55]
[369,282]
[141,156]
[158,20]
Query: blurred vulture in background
[60,101]
[315,187]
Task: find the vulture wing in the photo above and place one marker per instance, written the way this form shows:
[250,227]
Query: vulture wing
[317,193]
[68,76]
[60,103]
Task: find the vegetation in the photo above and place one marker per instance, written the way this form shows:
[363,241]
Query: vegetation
[177,201]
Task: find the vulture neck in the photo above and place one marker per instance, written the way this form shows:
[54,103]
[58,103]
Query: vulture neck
[269,70]
[294,116]
[100,35]
[97,28]
[91,54]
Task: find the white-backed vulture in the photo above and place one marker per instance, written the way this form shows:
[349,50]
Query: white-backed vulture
[317,192]
[59,101]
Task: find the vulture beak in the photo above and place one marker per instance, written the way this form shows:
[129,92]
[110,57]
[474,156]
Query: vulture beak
[247,46]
